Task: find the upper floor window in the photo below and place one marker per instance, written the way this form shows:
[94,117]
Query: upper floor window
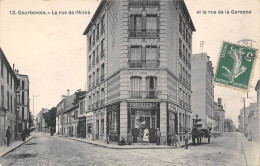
[2,68]
[151,22]
[89,42]
[7,74]
[180,24]
[151,83]
[102,24]
[97,31]
[23,84]
[94,37]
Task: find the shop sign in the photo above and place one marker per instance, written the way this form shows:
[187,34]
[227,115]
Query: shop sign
[113,107]
[144,105]
[172,107]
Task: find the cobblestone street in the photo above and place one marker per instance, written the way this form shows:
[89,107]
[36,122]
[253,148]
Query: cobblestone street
[52,150]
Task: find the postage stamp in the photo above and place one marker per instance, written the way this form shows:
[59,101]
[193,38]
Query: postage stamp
[235,66]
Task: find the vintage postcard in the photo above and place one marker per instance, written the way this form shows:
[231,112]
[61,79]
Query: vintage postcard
[129,82]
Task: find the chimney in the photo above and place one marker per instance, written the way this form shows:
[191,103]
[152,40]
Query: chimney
[68,92]
[219,101]
[13,66]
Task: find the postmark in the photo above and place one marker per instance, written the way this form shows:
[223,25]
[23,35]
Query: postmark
[235,66]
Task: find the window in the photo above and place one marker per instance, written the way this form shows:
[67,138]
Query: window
[135,53]
[136,87]
[22,98]
[102,72]
[8,103]
[180,44]
[183,52]
[11,82]
[151,83]
[97,76]
[102,49]
[151,22]
[2,68]
[93,62]
[97,55]
[22,84]
[22,113]
[180,24]
[2,96]
[94,37]
[75,115]
[82,107]
[89,42]
[137,22]
[102,25]
[7,74]
[97,31]
[11,103]
[151,53]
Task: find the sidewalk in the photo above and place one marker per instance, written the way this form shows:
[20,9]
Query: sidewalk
[251,151]
[4,150]
[113,145]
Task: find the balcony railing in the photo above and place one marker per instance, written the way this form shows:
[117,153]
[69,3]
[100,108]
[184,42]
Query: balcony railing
[143,64]
[102,77]
[144,33]
[137,3]
[144,94]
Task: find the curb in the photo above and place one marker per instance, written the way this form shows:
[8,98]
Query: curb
[120,147]
[9,151]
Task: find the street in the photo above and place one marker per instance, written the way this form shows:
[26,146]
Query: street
[44,149]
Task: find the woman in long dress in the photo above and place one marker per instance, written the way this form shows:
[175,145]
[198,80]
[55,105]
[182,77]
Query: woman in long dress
[146,136]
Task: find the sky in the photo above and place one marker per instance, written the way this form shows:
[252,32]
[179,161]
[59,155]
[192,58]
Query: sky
[51,49]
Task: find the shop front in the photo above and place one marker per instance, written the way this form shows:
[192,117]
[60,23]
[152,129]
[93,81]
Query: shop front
[143,119]
[172,119]
[113,122]
[89,121]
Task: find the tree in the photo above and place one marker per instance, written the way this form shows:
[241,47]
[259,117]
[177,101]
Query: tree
[30,119]
[50,117]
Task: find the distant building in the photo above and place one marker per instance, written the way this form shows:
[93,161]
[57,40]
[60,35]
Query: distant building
[40,122]
[229,125]
[138,71]
[23,102]
[202,102]
[246,117]
[64,105]
[8,110]
[219,116]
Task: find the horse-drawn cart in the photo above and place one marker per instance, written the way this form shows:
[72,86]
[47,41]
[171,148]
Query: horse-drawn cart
[199,134]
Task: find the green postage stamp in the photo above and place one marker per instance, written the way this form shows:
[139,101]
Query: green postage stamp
[235,66]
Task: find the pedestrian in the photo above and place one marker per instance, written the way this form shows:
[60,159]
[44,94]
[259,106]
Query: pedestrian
[186,138]
[122,142]
[129,138]
[146,136]
[158,136]
[174,139]
[8,135]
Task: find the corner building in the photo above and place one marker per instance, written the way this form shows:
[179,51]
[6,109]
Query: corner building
[138,69]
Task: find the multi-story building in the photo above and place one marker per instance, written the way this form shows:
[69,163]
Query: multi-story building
[244,116]
[219,115]
[74,119]
[23,102]
[138,69]
[41,125]
[203,89]
[62,106]
[8,112]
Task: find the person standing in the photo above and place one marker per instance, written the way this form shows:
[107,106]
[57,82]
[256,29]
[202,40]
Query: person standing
[8,135]
[129,138]
[158,136]
[186,138]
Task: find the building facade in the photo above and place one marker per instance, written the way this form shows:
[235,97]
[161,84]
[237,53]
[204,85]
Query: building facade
[23,102]
[203,89]
[8,111]
[64,105]
[40,122]
[219,116]
[138,69]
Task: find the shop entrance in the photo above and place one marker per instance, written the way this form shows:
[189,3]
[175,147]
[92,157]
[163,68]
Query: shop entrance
[142,121]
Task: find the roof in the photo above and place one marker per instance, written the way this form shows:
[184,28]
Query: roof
[97,12]
[3,57]
[187,14]
[71,109]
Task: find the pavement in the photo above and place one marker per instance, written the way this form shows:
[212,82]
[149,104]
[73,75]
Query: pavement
[43,149]
[113,145]
[4,150]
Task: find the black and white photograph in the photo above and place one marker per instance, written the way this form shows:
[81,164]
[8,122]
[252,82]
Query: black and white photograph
[129,82]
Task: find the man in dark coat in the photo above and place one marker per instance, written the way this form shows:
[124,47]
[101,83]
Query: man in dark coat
[158,136]
[8,135]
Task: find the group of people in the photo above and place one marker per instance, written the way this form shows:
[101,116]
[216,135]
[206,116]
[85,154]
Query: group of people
[145,137]
[173,139]
[25,133]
